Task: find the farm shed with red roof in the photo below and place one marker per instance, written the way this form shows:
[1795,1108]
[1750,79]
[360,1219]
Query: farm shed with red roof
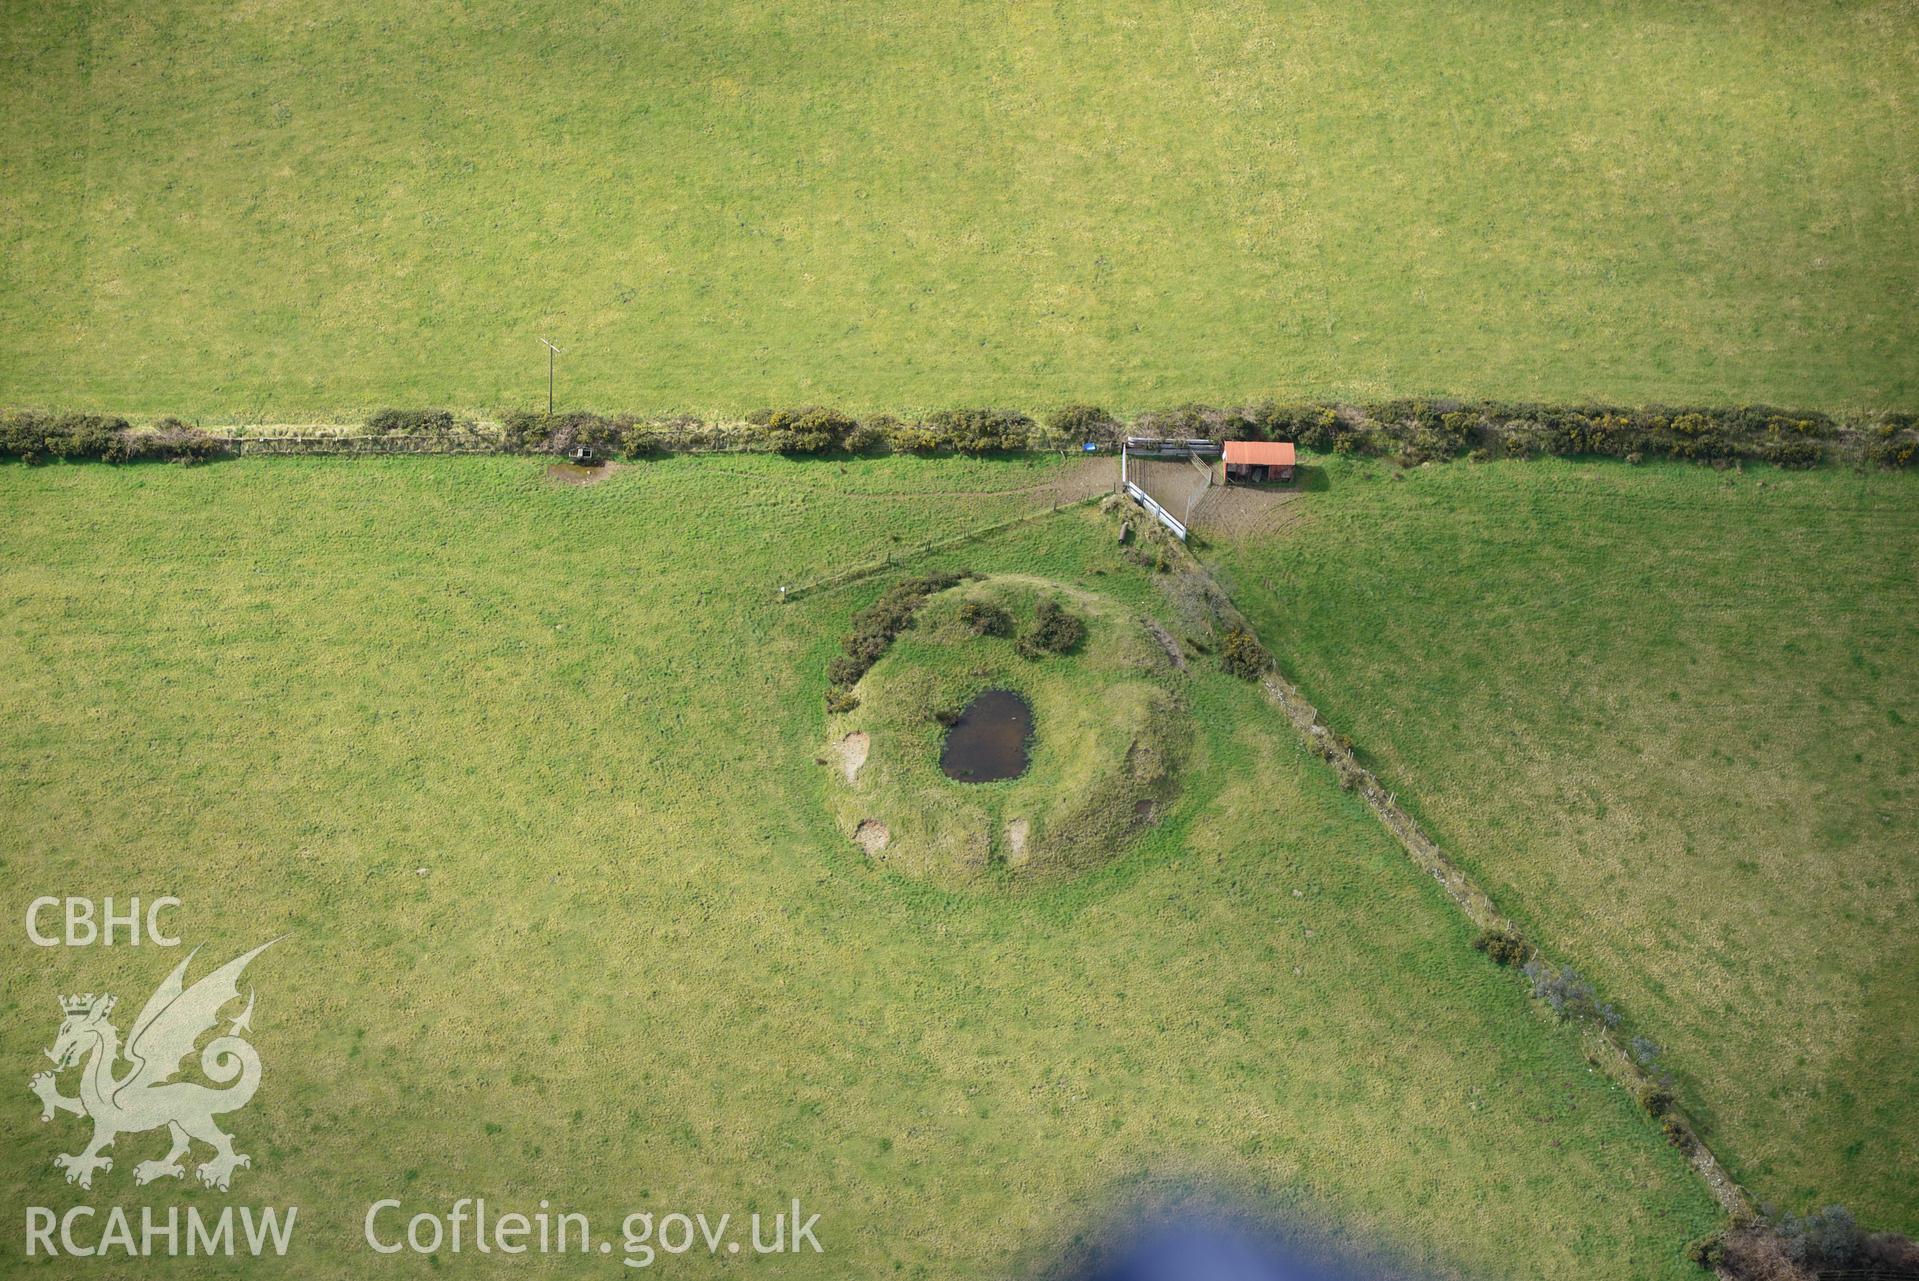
[1257,460]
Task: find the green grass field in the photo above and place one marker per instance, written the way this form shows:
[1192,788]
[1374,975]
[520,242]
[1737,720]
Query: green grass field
[530,774]
[644,969]
[304,211]
[1666,716]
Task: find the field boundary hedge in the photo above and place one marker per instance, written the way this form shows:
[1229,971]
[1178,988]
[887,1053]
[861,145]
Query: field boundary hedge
[1756,1243]
[1602,1030]
[1410,431]
[267,446]
[1608,1048]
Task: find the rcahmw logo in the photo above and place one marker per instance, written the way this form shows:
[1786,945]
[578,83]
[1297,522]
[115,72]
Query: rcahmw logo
[134,1088]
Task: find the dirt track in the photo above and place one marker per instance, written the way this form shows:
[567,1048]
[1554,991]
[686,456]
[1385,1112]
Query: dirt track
[1225,511]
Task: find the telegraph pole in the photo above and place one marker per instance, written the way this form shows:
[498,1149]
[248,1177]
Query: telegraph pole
[551,352]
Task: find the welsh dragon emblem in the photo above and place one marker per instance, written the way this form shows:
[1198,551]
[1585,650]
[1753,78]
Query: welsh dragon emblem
[145,1096]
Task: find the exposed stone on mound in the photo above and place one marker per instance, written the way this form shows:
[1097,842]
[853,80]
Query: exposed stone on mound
[1016,833]
[872,835]
[853,749]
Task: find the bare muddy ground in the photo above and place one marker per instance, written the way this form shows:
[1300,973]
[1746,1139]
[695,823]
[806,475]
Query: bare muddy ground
[1234,511]
[575,474]
[1228,511]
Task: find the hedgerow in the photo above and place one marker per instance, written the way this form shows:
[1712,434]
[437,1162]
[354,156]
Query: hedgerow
[1503,946]
[1411,431]
[1569,995]
[1072,423]
[1415,431]
[980,431]
[36,437]
[409,422]
[1792,1247]
[527,432]
[805,431]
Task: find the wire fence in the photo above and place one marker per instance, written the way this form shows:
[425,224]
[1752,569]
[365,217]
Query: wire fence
[895,559]
[1166,518]
[1616,1059]
[461,443]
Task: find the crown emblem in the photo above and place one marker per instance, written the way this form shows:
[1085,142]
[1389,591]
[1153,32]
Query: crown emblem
[82,1004]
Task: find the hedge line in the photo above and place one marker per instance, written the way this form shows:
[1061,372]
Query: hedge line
[809,430]
[1409,431]
[1422,431]
[37,437]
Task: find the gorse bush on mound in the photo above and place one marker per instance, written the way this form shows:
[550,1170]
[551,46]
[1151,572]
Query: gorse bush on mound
[1054,631]
[874,628]
[982,618]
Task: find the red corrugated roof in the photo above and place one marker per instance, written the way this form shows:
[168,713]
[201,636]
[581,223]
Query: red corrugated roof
[1269,453]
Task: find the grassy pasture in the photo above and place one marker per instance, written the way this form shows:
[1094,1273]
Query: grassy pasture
[303,210]
[644,970]
[1666,715]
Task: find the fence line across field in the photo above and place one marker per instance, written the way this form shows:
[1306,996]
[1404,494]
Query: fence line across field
[1204,467]
[896,560]
[1166,518]
[262,446]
